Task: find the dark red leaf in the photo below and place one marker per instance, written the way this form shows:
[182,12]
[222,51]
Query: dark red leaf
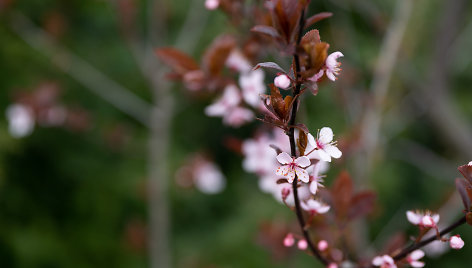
[177,60]
[269,65]
[465,189]
[317,17]
[466,171]
[277,101]
[362,204]
[215,56]
[267,30]
[341,192]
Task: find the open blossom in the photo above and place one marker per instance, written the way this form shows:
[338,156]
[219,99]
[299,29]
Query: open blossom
[228,107]
[208,178]
[282,81]
[423,219]
[292,166]
[238,62]
[314,206]
[325,144]
[456,242]
[316,180]
[252,85]
[331,67]
[413,258]
[384,261]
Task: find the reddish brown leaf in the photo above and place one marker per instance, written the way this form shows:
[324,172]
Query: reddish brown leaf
[341,192]
[267,30]
[177,60]
[466,171]
[276,101]
[468,218]
[317,17]
[465,191]
[302,142]
[216,55]
[362,204]
[269,65]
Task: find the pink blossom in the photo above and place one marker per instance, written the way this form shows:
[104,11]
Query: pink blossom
[413,258]
[332,265]
[456,242]
[423,219]
[228,107]
[282,81]
[384,261]
[259,156]
[331,67]
[20,120]
[289,240]
[325,144]
[208,178]
[322,245]
[212,4]
[252,85]
[314,206]
[238,62]
[316,180]
[291,166]
[302,244]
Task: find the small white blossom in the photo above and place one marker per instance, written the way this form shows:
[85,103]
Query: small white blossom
[252,85]
[20,120]
[384,261]
[282,81]
[314,206]
[291,166]
[208,178]
[423,219]
[325,144]
[212,4]
[413,258]
[456,242]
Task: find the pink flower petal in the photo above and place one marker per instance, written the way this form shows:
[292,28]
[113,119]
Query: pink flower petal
[284,158]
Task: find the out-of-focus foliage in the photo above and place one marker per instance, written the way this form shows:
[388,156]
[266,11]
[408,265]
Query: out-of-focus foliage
[75,196]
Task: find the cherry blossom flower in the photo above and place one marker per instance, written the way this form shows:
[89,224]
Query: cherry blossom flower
[292,166]
[212,4]
[302,244]
[252,85]
[314,206]
[413,258]
[208,178]
[238,62]
[282,81]
[289,240]
[332,265]
[322,245]
[331,67]
[384,261]
[423,219]
[259,156]
[456,242]
[228,107]
[20,120]
[316,180]
[325,144]
[283,193]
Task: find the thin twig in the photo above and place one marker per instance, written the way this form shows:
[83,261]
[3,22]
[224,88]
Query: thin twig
[291,135]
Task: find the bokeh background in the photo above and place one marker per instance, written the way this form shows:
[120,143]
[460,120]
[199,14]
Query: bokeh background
[79,189]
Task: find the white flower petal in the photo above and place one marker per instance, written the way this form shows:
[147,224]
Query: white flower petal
[326,135]
[284,158]
[311,140]
[302,161]
[324,156]
[417,264]
[435,218]
[377,261]
[412,217]
[314,187]
[302,174]
[330,75]
[283,170]
[417,254]
[290,176]
[333,151]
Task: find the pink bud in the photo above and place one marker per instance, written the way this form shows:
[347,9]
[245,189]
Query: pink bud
[322,245]
[212,4]
[456,242]
[289,240]
[302,244]
[285,193]
[332,265]
[282,81]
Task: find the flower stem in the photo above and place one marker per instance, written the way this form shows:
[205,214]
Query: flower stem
[291,135]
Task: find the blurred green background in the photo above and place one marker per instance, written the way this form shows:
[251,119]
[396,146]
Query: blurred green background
[74,195]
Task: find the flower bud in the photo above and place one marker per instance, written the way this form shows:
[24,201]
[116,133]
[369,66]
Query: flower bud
[322,245]
[212,4]
[302,244]
[289,240]
[282,81]
[456,242]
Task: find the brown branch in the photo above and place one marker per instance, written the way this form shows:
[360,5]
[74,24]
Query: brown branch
[291,136]
[426,241]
